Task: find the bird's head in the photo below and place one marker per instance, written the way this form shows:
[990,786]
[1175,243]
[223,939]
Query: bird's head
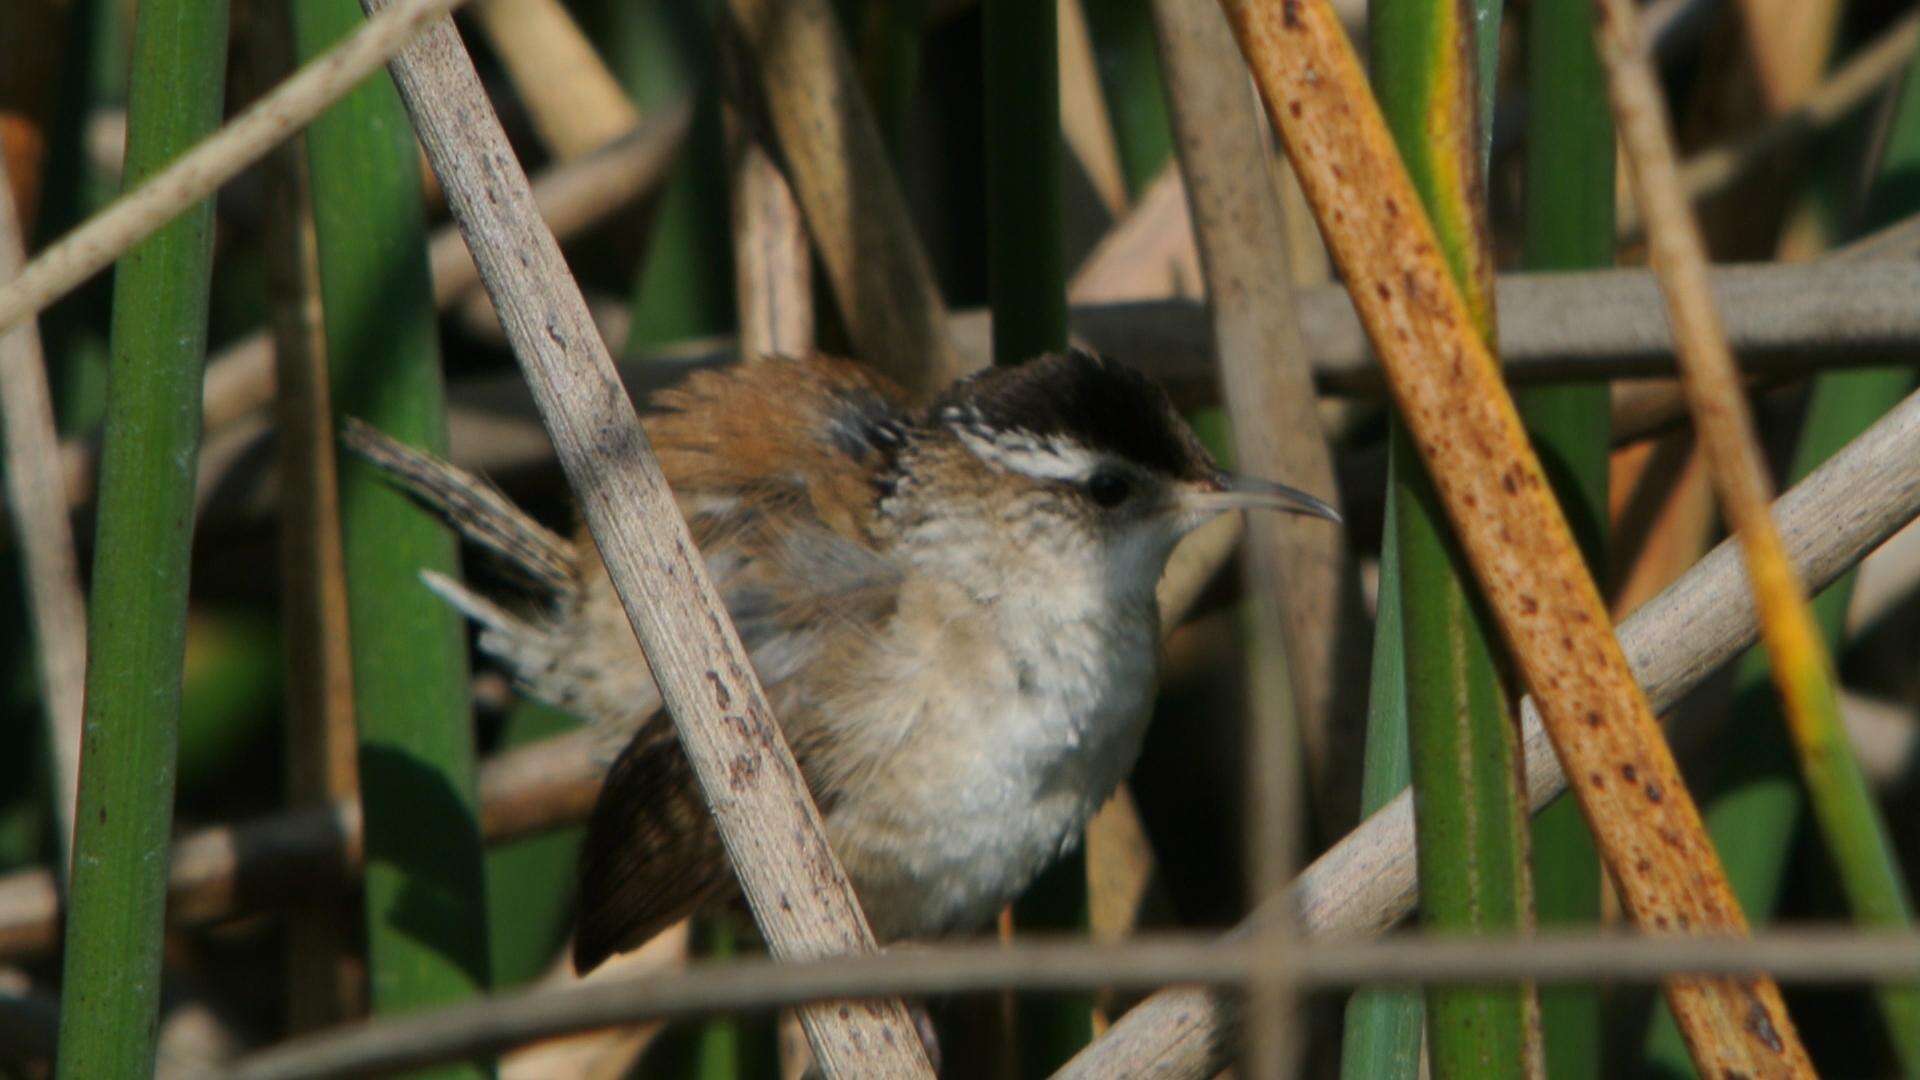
[1073,457]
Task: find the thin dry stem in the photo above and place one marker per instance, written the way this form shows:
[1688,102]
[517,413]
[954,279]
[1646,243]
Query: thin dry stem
[572,197]
[1267,385]
[1148,255]
[1554,327]
[1814,956]
[772,266]
[1714,392]
[1297,567]
[1870,71]
[1123,882]
[1663,517]
[1887,579]
[1721,419]
[38,508]
[855,211]
[300,856]
[96,243]
[773,834]
[1788,41]
[610,1053]
[324,974]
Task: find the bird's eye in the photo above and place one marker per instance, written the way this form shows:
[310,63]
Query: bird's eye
[1108,488]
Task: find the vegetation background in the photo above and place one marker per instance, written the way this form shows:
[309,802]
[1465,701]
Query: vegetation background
[260,649]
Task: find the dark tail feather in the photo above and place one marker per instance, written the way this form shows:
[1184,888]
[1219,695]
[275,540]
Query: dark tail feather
[469,504]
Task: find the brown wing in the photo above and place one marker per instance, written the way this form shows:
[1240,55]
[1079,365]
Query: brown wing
[780,435]
[774,464]
[651,857]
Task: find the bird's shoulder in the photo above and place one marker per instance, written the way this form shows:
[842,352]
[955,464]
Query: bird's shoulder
[810,436]
[776,465]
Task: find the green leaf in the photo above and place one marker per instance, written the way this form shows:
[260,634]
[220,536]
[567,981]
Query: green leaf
[1469,810]
[1382,1036]
[425,879]
[1569,226]
[138,611]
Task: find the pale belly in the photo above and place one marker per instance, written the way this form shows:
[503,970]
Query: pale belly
[968,814]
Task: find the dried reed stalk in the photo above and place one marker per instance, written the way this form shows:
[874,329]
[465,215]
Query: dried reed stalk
[1663,519]
[773,834]
[324,971]
[772,265]
[1531,574]
[1084,120]
[194,175]
[1784,320]
[840,172]
[1810,111]
[1788,42]
[1149,254]
[1366,882]
[1267,386]
[36,502]
[575,102]
[1297,568]
[1802,668]
[1554,327]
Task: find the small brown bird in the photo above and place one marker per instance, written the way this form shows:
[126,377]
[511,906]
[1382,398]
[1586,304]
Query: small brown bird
[951,607]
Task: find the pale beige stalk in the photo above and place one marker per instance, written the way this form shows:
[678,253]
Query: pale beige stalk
[775,841]
[840,172]
[37,504]
[576,104]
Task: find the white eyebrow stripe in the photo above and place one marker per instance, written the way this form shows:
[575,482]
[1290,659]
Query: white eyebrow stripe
[1051,458]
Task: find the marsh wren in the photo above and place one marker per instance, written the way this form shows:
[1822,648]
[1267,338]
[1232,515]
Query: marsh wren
[951,607]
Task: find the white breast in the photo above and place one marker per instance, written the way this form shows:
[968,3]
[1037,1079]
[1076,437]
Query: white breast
[1006,735]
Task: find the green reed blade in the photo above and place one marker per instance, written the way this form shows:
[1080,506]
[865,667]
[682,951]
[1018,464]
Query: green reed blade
[137,616]
[1470,813]
[425,886]
[1569,226]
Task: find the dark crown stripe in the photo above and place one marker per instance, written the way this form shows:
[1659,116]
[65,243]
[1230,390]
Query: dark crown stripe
[1105,406]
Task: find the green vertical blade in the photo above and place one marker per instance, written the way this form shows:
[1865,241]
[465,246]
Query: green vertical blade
[1470,813]
[138,613]
[1381,1040]
[425,882]
[1569,226]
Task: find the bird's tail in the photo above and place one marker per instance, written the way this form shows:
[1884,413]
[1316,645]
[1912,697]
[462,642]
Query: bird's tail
[527,650]
[479,511]
[588,668]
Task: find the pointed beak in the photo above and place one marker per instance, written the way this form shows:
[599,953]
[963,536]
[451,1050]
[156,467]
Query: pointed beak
[1229,492]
